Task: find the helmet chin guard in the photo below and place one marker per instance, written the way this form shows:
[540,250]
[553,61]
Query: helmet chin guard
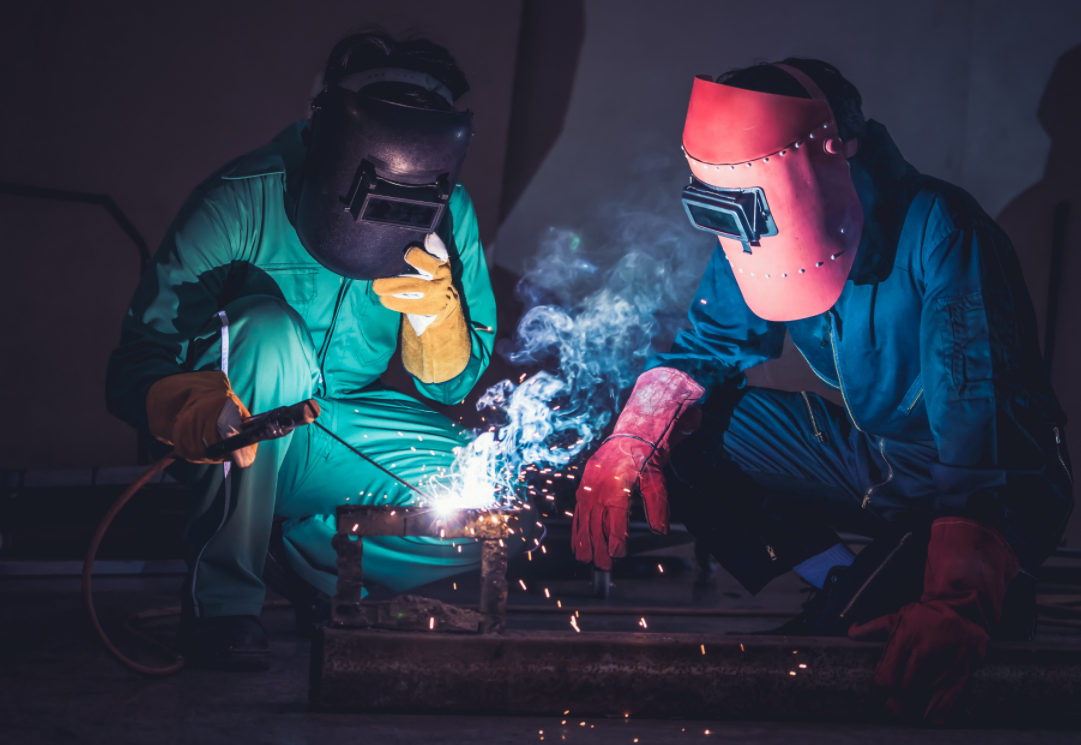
[771,180]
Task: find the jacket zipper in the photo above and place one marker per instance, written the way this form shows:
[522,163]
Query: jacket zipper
[840,381]
[889,475]
[915,401]
[814,424]
[819,375]
[346,284]
[1069,476]
[1058,452]
[874,574]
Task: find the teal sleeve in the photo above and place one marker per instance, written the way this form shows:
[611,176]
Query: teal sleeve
[478,302]
[173,301]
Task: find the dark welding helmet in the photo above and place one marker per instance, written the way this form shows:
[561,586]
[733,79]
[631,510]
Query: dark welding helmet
[377,176]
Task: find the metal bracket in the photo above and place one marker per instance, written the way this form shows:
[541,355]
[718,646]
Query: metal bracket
[491,528]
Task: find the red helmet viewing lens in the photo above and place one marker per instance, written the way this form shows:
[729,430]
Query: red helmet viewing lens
[740,214]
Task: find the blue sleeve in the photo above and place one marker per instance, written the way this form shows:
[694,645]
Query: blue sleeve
[725,337]
[970,348]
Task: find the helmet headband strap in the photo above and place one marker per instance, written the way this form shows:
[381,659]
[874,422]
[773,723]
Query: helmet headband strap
[805,80]
[358,80]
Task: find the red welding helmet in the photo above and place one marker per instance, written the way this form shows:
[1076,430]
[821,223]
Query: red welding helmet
[770,178]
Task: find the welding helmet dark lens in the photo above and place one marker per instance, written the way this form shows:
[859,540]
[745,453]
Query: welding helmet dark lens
[377,179]
[720,221]
[402,212]
[739,214]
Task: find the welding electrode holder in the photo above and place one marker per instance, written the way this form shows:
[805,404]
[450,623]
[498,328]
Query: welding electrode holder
[269,425]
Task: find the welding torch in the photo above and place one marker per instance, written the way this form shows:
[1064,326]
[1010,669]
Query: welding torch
[270,425]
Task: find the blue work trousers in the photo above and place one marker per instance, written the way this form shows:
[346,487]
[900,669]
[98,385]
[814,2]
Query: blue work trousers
[771,476]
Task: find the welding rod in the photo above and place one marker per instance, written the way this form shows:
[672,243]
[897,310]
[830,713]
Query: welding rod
[387,471]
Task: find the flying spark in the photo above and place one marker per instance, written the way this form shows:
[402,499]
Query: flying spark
[637,296]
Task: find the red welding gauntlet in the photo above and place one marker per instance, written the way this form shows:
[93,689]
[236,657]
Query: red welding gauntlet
[936,643]
[660,412]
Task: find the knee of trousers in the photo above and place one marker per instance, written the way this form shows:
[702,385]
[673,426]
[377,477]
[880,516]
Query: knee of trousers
[268,338]
[731,436]
[755,421]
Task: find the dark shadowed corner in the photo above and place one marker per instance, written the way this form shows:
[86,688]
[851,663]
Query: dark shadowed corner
[549,45]
[1032,218]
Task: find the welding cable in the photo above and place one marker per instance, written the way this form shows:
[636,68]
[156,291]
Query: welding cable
[130,622]
[129,625]
[88,571]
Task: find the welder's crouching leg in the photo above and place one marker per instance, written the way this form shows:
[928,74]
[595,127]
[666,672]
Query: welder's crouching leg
[742,524]
[764,483]
[720,483]
[270,359]
[404,436]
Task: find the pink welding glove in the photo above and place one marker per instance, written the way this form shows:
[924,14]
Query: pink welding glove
[660,412]
[936,643]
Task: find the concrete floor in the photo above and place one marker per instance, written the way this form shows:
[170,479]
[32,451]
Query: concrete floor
[57,684]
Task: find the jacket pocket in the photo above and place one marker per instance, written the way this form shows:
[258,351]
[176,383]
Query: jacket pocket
[296,283]
[968,346]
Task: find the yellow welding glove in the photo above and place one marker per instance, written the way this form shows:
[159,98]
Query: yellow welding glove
[192,410]
[435,340]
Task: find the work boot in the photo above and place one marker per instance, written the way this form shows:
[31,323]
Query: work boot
[885,576]
[311,608]
[818,611]
[224,643]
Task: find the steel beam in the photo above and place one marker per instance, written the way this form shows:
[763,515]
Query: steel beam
[663,675]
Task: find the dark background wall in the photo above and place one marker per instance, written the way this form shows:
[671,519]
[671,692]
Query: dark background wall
[577,103]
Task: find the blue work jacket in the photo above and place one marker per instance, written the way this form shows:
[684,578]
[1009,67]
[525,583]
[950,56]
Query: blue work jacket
[933,337]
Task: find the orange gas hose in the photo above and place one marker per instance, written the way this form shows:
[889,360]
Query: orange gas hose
[88,594]
[266,426]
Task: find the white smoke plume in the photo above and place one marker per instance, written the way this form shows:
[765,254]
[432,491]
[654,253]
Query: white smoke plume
[598,302]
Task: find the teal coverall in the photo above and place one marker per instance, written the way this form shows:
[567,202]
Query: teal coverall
[232,288]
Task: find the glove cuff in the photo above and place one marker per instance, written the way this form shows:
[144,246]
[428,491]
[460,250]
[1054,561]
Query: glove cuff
[659,399]
[965,555]
[441,353]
